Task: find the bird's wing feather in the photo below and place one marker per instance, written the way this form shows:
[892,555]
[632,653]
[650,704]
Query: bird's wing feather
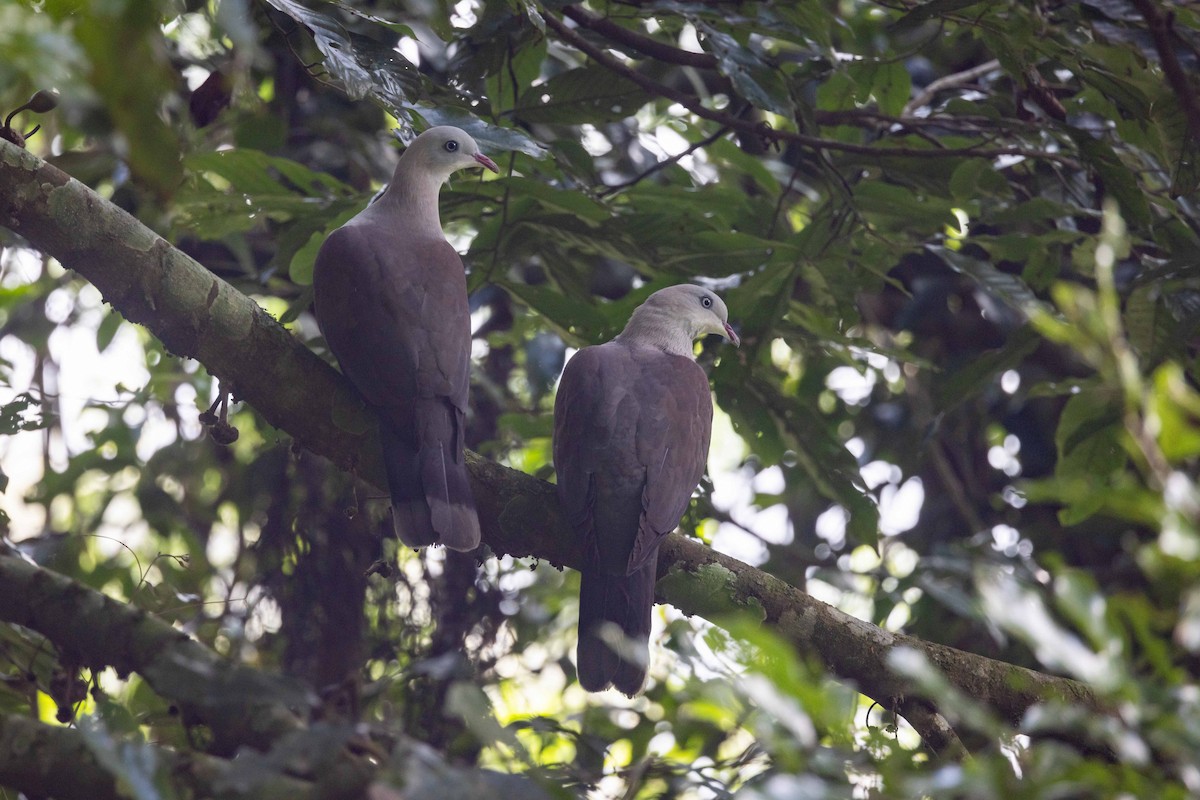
[672,439]
[578,425]
[395,314]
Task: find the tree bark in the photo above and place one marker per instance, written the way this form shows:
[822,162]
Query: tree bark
[198,315]
[240,705]
[48,761]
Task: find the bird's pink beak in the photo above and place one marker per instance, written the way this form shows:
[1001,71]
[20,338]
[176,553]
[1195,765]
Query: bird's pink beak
[487,162]
[732,336]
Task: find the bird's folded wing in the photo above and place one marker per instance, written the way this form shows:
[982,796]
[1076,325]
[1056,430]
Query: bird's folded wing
[672,440]
[395,314]
[636,424]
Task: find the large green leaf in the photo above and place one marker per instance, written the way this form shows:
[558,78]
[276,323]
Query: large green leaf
[754,76]
[363,66]
[1119,180]
[587,94]
[253,172]
[1002,285]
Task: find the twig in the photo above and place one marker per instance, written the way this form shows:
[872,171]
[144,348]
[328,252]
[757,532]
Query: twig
[1160,30]
[783,196]
[958,494]
[947,82]
[666,162]
[751,128]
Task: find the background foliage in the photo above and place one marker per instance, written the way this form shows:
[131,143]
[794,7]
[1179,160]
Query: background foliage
[959,240]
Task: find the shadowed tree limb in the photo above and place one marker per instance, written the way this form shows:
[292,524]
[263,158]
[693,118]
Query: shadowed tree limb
[645,45]
[240,705]
[752,128]
[48,761]
[1160,31]
[197,315]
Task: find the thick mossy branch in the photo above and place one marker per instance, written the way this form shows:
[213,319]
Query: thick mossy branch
[200,316]
[240,705]
[44,761]
[49,761]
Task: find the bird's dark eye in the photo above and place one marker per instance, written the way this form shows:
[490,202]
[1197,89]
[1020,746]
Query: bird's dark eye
[706,302]
[451,146]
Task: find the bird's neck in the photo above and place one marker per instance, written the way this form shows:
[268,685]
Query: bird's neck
[413,194]
[648,329]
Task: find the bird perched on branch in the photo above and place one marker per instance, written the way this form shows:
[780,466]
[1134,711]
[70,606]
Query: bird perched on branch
[632,422]
[391,299]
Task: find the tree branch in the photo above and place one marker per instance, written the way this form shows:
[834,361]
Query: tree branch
[199,316]
[658,166]
[1160,30]
[95,631]
[42,760]
[643,44]
[947,82]
[762,130]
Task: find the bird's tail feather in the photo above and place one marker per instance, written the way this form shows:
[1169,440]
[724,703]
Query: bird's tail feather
[448,496]
[614,628]
[410,513]
[428,480]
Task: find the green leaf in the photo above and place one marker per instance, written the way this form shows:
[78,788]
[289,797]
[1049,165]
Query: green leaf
[1089,435]
[567,313]
[256,173]
[108,329]
[1008,288]
[585,95]
[892,87]
[1177,406]
[572,201]
[838,93]
[975,177]
[1147,322]
[491,138]
[1119,180]
[134,764]
[754,76]
[933,10]
[300,269]
[130,71]
[893,202]
[363,66]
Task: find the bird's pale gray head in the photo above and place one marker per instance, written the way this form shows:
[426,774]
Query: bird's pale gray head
[445,149]
[685,312]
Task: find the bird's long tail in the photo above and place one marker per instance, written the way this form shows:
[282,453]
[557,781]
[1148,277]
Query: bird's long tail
[428,481]
[614,628]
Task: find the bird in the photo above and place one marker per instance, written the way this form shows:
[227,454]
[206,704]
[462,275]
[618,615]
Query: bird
[632,423]
[390,297]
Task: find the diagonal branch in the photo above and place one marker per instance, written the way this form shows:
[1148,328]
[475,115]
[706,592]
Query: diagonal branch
[645,45]
[661,165]
[96,631]
[1160,31]
[948,82]
[763,131]
[197,315]
[50,761]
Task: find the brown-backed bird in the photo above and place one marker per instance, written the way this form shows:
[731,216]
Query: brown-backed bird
[391,299]
[632,422]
